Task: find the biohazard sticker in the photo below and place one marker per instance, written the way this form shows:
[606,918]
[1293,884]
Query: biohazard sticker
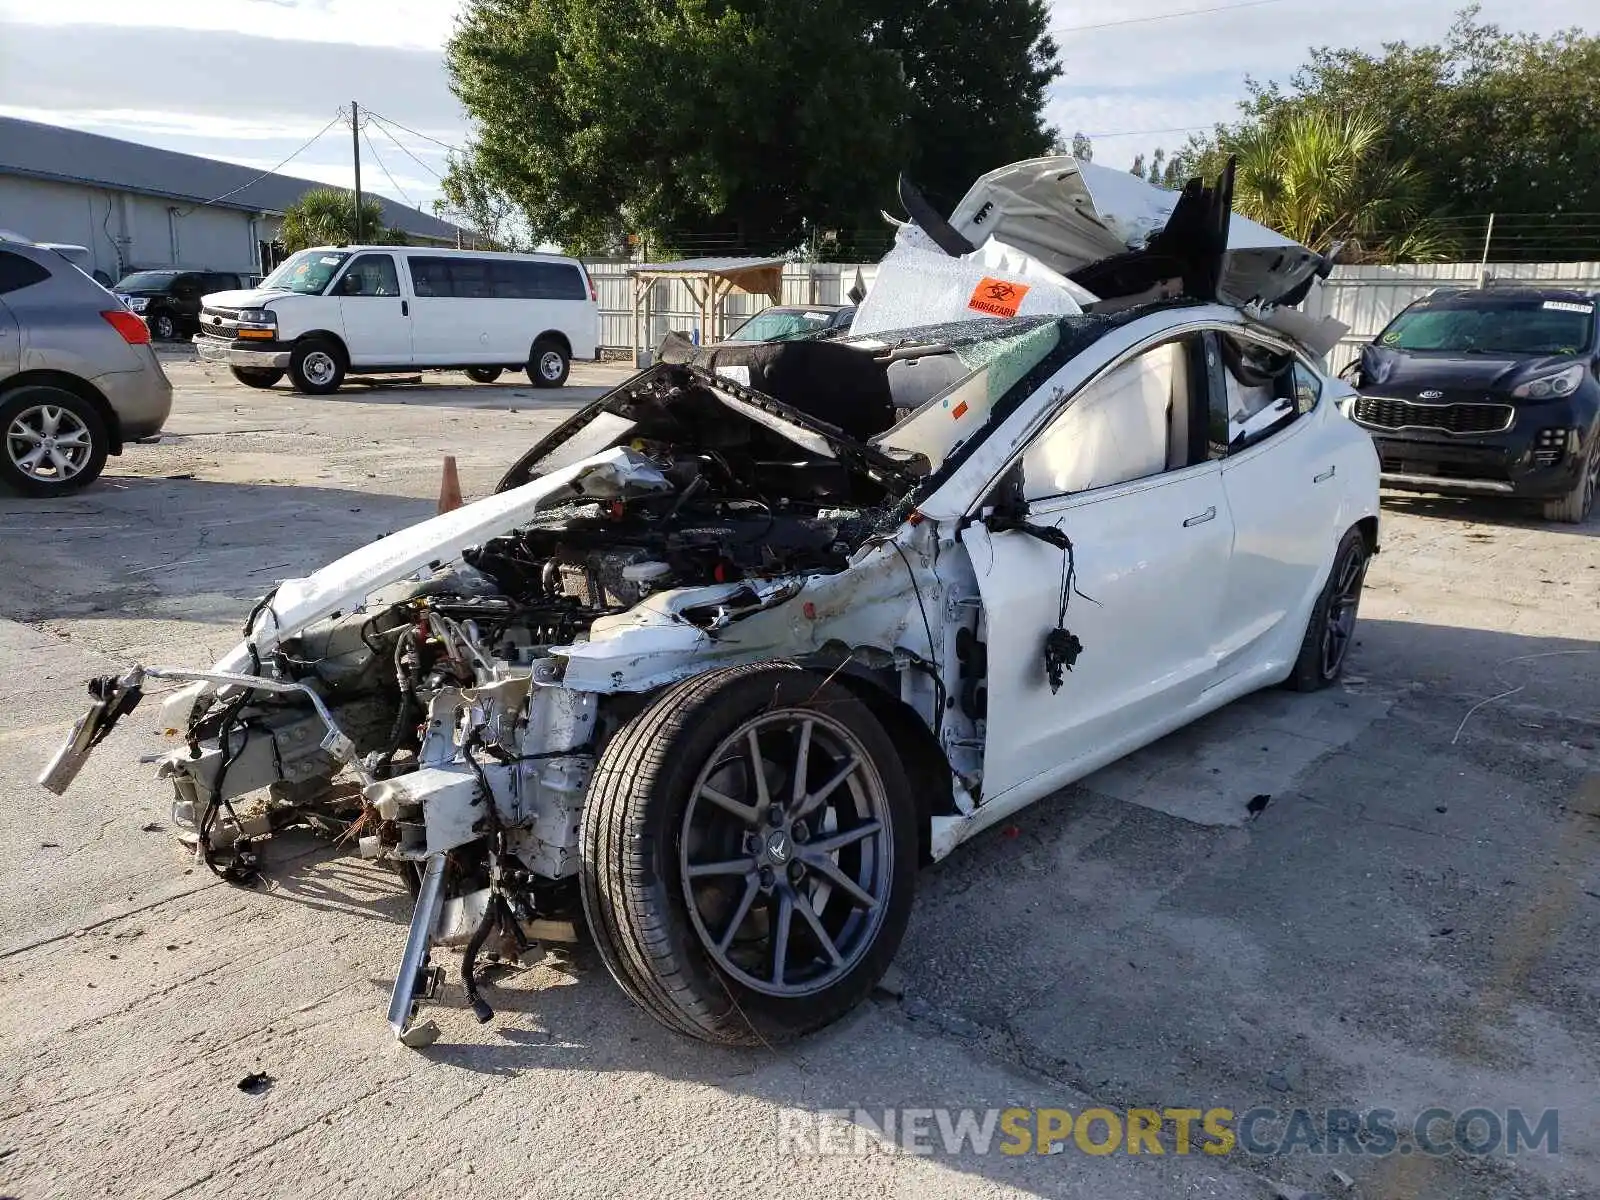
[997,297]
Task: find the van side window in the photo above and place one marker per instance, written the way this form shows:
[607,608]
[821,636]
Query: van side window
[536,281]
[429,276]
[371,275]
[469,278]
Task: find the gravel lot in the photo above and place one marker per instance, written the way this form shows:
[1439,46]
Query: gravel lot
[1412,922]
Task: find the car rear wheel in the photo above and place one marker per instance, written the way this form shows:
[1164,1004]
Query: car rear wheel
[316,367]
[1332,628]
[55,441]
[749,844]
[256,377]
[483,374]
[1574,508]
[549,364]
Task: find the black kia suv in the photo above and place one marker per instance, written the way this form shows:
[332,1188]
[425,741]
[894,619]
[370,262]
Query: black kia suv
[1488,392]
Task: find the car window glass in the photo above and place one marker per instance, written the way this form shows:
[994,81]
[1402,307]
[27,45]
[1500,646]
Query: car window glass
[469,278]
[558,281]
[185,285]
[1129,424]
[17,272]
[1307,388]
[371,275]
[1261,395]
[429,276]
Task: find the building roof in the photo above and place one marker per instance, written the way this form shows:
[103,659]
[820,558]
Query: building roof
[72,156]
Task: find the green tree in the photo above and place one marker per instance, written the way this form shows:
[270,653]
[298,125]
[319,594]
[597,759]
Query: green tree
[710,125]
[1324,178]
[327,217]
[1485,122]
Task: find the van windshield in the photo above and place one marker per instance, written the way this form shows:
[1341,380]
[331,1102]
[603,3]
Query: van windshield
[307,272]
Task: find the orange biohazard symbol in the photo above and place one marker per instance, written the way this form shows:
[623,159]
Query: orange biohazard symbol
[998,298]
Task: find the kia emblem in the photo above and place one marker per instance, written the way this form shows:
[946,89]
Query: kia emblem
[1430,395]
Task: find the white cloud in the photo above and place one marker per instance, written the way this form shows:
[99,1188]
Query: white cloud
[423,24]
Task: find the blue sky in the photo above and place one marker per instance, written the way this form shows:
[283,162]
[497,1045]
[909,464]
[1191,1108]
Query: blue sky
[250,80]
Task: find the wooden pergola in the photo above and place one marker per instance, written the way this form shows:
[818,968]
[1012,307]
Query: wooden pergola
[710,281]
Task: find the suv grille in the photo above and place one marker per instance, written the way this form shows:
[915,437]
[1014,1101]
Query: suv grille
[1451,418]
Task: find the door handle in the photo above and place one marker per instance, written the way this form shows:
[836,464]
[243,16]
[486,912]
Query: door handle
[405,308]
[1210,514]
[1326,475]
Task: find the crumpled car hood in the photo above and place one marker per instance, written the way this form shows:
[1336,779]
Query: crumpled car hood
[347,582]
[1070,215]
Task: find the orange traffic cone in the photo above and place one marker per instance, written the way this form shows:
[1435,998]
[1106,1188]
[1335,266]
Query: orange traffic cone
[449,486]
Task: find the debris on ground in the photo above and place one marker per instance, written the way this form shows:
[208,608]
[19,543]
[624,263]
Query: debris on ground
[1257,805]
[255,1083]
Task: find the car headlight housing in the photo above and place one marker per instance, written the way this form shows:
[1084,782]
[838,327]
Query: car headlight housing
[1562,383]
[258,316]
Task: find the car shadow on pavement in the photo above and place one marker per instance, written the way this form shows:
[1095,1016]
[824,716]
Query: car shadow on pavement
[1516,514]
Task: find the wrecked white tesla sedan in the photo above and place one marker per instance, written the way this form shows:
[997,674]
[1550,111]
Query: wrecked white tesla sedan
[742,644]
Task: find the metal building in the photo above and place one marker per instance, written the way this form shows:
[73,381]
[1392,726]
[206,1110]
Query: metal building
[136,206]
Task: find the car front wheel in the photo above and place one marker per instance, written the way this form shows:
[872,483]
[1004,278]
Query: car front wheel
[749,846]
[163,327]
[1574,508]
[1332,628]
[55,441]
[256,377]
[316,367]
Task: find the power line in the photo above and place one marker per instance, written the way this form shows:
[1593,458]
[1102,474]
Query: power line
[1169,16]
[379,121]
[337,117]
[425,137]
[373,150]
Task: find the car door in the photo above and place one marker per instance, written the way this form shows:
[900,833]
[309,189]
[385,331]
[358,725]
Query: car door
[376,315]
[1281,482]
[1122,472]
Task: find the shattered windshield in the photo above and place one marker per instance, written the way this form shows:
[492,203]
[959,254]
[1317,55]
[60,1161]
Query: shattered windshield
[307,272]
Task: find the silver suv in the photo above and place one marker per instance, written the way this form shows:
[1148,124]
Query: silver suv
[78,377]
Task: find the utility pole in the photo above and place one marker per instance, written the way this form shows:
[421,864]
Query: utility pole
[355,144]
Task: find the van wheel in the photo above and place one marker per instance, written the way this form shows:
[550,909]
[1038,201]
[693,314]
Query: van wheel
[483,374]
[548,365]
[256,377]
[316,367]
[749,849]
[54,441]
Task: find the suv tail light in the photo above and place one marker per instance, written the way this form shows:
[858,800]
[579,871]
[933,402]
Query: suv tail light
[133,330]
[594,291]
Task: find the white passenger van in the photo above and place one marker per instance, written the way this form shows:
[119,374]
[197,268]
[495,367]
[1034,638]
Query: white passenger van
[371,310]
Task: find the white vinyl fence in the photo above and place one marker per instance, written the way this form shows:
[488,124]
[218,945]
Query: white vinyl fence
[672,308]
[1364,298]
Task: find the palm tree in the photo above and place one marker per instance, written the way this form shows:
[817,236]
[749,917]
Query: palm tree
[1324,177]
[327,217]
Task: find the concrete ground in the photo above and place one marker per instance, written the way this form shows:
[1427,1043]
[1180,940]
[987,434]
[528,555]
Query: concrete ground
[1412,921]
